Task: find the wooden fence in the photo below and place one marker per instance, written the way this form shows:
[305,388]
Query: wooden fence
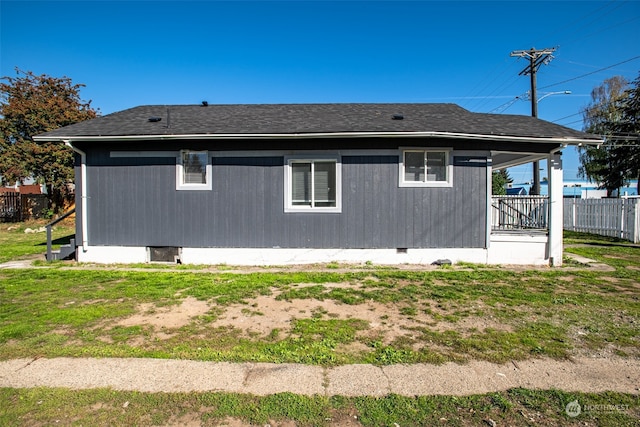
[16,207]
[607,217]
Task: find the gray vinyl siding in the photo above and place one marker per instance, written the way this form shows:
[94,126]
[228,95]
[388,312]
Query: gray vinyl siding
[134,202]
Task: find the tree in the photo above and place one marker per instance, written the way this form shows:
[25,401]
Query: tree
[30,105]
[626,131]
[612,113]
[499,181]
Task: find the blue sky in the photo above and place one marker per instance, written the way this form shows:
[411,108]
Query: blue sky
[131,53]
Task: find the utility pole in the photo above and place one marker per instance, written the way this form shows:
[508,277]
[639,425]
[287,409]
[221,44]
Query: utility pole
[536,58]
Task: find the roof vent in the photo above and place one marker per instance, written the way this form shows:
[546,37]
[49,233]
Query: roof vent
[205,104]
[155,119]
[397,117]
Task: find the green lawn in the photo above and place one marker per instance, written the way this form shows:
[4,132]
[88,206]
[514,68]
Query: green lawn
[516,407]
[553,312]
[450,314]
[16,244]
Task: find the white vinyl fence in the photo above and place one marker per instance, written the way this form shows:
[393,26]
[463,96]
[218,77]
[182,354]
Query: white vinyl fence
[607,217]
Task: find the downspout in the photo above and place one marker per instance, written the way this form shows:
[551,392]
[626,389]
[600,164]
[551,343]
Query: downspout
[83,198]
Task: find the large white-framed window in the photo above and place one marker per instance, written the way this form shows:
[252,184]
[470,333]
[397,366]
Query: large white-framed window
[426,167]
[313,184]
[193,170]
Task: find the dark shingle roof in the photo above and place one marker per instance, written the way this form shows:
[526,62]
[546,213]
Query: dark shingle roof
[261,119]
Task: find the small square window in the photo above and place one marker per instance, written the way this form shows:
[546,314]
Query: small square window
[312,184]
[425,168]
[193,170]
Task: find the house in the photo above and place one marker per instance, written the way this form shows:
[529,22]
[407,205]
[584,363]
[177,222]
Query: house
[304,183]
[22,202]
[516,191]
[23,189]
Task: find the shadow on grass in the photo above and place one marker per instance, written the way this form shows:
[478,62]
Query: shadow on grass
[613,244]
[588,239]
[59,241]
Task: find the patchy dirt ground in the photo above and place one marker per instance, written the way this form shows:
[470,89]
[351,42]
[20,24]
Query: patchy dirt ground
[260,316]
[174,316]
[263,314]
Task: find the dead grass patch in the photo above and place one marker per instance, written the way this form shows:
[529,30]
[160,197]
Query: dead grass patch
[170,317]
[259,317]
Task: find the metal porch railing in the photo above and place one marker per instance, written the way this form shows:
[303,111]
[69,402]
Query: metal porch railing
[519,213]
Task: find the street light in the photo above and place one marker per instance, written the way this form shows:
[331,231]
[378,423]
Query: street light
[535,188]
[563,92]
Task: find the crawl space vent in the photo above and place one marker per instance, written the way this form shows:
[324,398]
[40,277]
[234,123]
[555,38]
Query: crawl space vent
[164,254]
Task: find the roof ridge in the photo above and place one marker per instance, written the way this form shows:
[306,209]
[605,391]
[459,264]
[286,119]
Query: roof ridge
[316,119]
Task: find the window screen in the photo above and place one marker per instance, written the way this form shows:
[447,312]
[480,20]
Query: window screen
[324,184]
[425,166]
[301,184]
[414,166]
[313,183]
[194,167]
[436,166]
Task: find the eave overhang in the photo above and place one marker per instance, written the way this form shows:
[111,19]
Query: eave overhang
[562,141]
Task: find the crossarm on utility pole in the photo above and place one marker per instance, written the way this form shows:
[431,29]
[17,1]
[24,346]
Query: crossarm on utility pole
[536,58]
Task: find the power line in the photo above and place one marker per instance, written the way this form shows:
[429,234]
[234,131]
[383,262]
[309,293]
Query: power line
[589,21]
[598,19]
[578,23]
[599,106]
[591,73]
[513,80]
[575,22]
[508,104]
[566,117]
[574,122]
[505,84]
[501,108]
[630,137]
[477,90]
[606,29]
[536,57]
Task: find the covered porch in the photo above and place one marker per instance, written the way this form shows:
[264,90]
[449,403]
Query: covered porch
[526,229]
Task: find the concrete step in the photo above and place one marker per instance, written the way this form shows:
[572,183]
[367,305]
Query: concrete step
[65,251]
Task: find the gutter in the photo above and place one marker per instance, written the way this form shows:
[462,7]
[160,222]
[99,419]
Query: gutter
[452,135]
[83,199]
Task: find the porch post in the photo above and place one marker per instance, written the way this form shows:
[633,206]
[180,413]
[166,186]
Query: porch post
[487,237]
[555,210]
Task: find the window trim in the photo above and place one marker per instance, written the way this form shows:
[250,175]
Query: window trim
[180,184]
[448,165]
[288,183]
